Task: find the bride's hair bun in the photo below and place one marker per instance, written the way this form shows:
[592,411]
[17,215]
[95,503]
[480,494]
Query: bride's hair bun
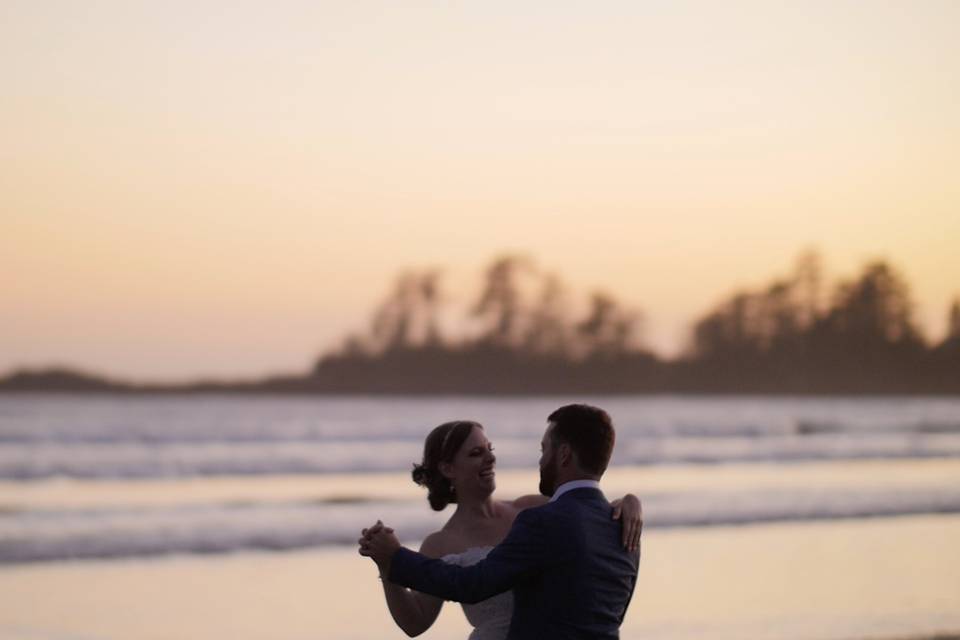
[441,446]
[420,474]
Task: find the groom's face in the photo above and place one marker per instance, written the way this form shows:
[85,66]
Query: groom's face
[549,467]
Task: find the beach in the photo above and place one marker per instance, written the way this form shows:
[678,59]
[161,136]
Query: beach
[842,580]
[202,517]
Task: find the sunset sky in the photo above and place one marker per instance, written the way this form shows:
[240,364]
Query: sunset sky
[227,188]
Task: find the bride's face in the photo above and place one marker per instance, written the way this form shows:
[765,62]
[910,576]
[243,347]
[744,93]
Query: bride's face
[472,468]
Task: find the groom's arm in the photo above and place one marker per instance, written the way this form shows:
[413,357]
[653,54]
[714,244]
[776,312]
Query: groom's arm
[526,551]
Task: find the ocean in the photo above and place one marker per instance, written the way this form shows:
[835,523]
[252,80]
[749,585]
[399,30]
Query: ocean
[94,483]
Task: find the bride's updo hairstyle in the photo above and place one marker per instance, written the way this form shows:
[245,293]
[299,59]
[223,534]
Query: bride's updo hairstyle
[441,446]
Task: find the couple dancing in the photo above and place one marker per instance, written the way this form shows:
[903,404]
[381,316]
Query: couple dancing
[531,568]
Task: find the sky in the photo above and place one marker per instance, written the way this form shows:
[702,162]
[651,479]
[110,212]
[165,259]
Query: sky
[228,188]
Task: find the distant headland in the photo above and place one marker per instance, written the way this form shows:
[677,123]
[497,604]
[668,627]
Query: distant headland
[788,337]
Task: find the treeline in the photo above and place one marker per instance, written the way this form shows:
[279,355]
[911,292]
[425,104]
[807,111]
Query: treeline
[525,333]
[519,309]
[517,336]
[790,336]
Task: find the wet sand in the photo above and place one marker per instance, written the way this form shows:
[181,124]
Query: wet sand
[876,579]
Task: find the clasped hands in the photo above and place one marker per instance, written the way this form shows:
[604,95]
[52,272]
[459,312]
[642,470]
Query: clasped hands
[379,543]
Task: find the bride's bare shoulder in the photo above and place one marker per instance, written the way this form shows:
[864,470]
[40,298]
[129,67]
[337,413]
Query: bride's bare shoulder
[438,544]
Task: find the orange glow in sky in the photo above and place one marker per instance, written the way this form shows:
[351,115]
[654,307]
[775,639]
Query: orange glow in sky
[212,189]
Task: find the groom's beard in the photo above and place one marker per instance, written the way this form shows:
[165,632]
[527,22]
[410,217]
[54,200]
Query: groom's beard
[548,477]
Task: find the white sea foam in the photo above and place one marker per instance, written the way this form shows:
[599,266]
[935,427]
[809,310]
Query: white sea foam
[48,535]
[118,440]
[156,437]
[138,460]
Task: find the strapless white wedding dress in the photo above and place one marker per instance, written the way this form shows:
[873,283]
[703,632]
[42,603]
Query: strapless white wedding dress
[491,618]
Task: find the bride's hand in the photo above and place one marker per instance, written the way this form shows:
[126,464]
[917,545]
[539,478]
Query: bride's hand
[630,512]
[380,545]
[368,533]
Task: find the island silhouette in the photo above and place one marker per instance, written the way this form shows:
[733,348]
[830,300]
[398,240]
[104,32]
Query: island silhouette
[791,336]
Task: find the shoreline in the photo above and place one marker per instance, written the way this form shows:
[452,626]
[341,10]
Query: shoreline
[883,579]
[467,384]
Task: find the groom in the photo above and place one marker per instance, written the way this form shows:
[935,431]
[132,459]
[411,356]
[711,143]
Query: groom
[570,575]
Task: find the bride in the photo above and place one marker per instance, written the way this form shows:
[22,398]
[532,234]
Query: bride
[458,467]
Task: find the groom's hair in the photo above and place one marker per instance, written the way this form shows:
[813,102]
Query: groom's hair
[589,432]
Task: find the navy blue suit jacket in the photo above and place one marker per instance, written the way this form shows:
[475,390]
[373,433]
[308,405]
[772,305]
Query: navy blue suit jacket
[570,575]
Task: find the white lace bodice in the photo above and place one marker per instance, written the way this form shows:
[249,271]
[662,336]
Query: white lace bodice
[490,618]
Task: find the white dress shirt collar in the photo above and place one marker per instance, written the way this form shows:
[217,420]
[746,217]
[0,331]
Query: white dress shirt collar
[574,484]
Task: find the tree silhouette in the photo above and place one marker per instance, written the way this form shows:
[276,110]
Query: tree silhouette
[953,321]
[727,329]
[950,347]
[806,284]
[500,305]
[408,317]
[775,319]
[548,331]
[608,331]
[873,311]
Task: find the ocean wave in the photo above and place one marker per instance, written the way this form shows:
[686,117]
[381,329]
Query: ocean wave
[105,435]
[106,438]
[213,420]
[142,461]
[51,535]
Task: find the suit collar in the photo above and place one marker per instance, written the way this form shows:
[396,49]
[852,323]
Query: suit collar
[574,484]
